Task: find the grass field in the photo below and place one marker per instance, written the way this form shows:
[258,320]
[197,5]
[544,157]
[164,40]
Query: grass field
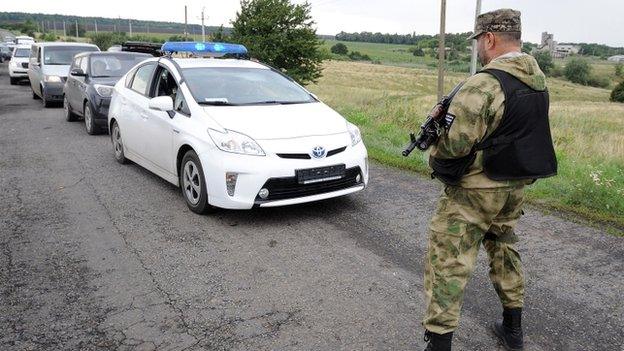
[387,102]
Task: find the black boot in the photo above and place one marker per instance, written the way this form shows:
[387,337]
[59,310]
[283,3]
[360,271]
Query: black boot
[510,330]
[438,342]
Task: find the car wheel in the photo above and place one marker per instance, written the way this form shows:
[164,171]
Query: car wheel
[118,144]
[13,80]
[193,184]
[35,96]
[90,126]
[69,115]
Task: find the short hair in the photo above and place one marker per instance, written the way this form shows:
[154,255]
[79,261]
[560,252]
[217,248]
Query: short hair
[513,37]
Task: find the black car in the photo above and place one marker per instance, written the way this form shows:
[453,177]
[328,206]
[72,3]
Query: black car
[5,53]
[89,86]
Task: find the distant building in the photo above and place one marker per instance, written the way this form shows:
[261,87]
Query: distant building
[565,50]
[616,58]
[557,50]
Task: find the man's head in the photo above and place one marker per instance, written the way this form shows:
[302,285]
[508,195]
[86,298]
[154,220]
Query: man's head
[497,33]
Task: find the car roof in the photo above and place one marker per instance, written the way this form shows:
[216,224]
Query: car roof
[217,63]
[23,46]
[114,53]
[60,43]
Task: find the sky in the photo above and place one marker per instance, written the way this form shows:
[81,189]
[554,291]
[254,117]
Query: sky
[569,20]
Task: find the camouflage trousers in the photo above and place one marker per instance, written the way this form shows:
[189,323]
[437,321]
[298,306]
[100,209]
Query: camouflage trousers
[464,219]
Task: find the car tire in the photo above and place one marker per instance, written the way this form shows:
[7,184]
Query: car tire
[13,81]
[193,184]
[69,115]
[118,147]
[90,126]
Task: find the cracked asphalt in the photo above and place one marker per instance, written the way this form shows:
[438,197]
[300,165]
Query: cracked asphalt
[95,255]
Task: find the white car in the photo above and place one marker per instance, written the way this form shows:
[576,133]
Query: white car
[233,133]
[18,66]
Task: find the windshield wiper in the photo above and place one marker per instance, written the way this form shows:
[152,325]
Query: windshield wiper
[276,102]
[215,103]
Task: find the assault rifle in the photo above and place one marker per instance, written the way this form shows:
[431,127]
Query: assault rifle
[434,125]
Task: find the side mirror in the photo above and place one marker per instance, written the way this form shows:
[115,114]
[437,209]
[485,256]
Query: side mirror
[77,72]
[162,103]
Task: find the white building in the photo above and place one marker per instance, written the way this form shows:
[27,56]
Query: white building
[565,50]
[616,58]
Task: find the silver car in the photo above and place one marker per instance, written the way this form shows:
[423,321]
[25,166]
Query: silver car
[49,66]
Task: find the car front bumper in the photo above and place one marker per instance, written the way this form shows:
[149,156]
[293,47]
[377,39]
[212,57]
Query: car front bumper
[278,176]
[53,91]
[99,106]
[18,72]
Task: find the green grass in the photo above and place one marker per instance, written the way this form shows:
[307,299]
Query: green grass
[392,54]
[388,102]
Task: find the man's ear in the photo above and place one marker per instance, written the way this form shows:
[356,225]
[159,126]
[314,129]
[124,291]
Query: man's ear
[490,40]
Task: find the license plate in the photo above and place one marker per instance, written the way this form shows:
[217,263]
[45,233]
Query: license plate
[321,174]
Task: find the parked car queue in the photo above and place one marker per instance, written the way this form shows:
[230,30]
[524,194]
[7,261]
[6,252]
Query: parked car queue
[230,132]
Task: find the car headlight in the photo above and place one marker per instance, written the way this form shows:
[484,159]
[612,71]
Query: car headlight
[103,90]
[355,134]
[52,79]
[13,63]
[234,142]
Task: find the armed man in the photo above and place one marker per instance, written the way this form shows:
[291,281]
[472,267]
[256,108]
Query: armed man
[495,140]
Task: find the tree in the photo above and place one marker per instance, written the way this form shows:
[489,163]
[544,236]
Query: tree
[617,95]
[280,34]
[545,61]
[219,35]
[339,49]
[577,70]
[619,69]
[418,52]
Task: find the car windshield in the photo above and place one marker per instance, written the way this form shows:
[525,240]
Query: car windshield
[243,86]
[114,65]
[63,55]
[22,53]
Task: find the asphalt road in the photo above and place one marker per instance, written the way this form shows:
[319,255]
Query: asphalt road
[95,255]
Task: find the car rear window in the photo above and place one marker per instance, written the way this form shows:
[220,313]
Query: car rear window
[113,65]
[63,55]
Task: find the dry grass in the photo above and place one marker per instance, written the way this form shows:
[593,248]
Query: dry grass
[387,102]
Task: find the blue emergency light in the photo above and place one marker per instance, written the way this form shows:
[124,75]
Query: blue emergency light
[216,49]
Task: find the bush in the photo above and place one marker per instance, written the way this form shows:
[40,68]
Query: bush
[556,71]
[419,52]
[48,37]
[339,49]
[577,70]
[619,68]
[598,82]
[617,95]
[358,56]
[545,61]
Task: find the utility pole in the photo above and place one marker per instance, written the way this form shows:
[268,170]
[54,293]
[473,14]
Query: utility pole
[76,29]
[203,28]
[95,23]
[130,26]
[441,50]
[147,24]
[54,26]
[473,59]
[64,30]
[185,23]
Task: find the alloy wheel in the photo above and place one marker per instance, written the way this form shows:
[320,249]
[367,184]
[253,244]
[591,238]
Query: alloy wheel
[117,143]
[191,182]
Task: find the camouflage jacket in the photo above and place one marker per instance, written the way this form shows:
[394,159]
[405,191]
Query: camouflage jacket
[478,108]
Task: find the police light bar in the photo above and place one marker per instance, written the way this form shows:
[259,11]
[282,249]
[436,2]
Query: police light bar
[213,49]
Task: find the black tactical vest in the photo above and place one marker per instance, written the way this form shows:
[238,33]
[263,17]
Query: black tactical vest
[520,147]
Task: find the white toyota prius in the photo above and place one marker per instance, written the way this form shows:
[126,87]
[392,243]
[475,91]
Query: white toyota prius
[233,133]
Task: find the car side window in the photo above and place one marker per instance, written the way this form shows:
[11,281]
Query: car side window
[83,64]
[166,85]
[76,63]
[142,78]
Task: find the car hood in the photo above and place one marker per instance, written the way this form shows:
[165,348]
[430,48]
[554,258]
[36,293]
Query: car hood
[56,70]
[263,122]
[19,59]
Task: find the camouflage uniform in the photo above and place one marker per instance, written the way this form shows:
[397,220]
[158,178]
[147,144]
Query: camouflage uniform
[479,210]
